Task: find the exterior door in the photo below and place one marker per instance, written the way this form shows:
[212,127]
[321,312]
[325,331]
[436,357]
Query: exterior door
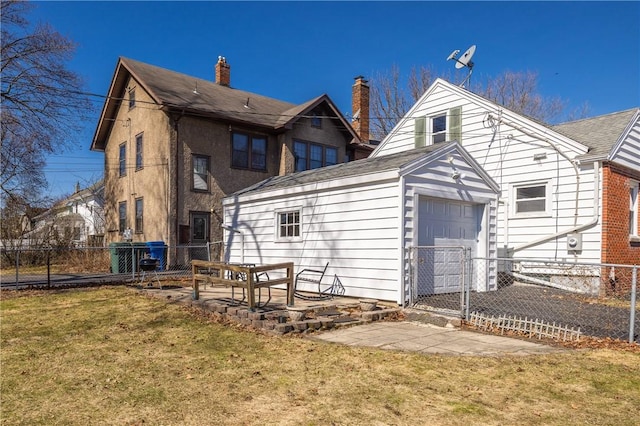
[199,228]
[449,229]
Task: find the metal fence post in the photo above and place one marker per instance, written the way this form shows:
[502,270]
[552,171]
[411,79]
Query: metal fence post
[632,313]
[17,266]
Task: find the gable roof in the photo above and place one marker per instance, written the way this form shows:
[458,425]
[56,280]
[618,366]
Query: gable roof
[365,166]
[191,95]
[601,133]
[513,119]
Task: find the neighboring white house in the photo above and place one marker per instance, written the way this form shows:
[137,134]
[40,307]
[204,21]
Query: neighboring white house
[362,216]
[557,183]
[76,220]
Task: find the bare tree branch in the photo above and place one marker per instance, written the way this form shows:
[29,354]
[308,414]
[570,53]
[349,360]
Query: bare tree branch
[517,91]
[43,104]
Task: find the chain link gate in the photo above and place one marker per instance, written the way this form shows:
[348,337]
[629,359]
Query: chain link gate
[439,278]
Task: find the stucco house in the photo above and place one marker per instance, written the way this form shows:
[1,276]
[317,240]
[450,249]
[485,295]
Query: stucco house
[77,220]
[569,192]
[175,145]
[361,217]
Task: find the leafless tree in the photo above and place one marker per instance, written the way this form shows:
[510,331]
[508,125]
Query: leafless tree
[42,101]
[391,98]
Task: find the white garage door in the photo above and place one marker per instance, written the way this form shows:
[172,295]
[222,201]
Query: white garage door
[441,224]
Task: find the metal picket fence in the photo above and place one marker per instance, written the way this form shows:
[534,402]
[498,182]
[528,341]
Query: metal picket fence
[63,266]
[561,300]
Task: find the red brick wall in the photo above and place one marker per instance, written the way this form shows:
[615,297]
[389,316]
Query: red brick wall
[616,247]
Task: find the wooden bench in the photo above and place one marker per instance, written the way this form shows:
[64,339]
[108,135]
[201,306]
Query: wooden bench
[223,274]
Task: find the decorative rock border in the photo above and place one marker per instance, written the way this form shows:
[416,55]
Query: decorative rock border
[279,321]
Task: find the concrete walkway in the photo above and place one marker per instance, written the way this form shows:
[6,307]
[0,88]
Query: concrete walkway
[421,332]
[431,339]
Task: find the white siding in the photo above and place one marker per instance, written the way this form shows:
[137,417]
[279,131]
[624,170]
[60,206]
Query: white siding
[506,152]
[628,153]
[361,229]
[354,229]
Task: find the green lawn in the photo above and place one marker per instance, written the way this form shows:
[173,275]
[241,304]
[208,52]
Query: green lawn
[114,356]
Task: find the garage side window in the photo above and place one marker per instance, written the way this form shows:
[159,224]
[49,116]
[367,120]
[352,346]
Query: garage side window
[531,199]
[288,225]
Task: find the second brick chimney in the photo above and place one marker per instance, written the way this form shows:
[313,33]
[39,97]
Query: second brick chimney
[223,72]
[360,108]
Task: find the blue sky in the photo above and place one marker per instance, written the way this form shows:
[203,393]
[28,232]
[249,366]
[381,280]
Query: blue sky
[583,52]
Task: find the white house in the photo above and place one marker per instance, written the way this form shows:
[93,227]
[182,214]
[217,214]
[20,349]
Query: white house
[569,192]
[361,217]
[75,220]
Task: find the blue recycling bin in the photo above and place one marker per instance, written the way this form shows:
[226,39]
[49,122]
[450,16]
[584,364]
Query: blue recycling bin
[158,250]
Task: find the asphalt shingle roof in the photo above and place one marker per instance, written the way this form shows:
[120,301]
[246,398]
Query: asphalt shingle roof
[352,168]
[599,133]
[176,89]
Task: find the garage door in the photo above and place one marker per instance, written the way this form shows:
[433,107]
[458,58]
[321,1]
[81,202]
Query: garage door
[442,224]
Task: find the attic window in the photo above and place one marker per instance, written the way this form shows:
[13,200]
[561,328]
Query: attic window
[132,98]
[316,122]
[439,128]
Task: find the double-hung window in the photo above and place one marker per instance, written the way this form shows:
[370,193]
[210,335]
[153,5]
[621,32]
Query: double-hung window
[200,180]
[122,159]
[139,162]
[288,225]
[139,215]
[122,216]
[249,151]
[531,199]
[312,156]
[634,209]
[132,98]
[441,127]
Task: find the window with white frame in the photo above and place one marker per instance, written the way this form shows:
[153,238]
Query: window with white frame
[200,181]
[531,199]
[288,225]
[441,127]
[633,208]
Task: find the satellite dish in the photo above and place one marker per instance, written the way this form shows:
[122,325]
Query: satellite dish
[465,59]
[453,54]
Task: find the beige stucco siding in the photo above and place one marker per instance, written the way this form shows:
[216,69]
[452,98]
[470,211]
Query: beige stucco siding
[149,182]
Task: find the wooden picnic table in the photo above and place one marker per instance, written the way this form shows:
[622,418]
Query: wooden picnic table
[244,276]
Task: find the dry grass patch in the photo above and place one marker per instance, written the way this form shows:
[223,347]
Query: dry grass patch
[113,356]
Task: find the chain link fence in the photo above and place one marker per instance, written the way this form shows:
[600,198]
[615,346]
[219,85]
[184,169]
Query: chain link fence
[120,262]
[560,300]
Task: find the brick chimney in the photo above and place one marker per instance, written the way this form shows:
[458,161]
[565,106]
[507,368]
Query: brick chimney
[360,108]
[223,72]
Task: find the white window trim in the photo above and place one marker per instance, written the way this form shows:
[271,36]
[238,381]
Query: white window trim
[635,187]
[446,126]
[547,205]
[277,213]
